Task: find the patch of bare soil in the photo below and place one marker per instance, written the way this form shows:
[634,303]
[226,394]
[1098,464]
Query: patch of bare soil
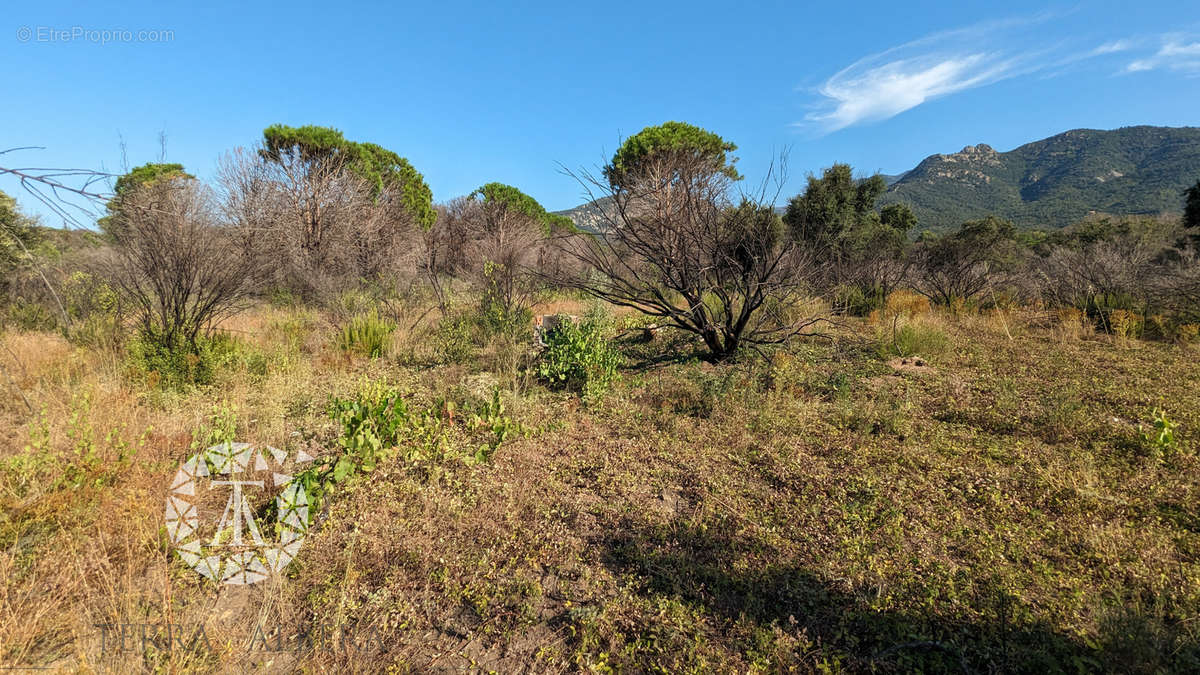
[911,365]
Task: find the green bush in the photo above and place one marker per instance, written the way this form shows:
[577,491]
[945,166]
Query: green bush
[228,352]
[26,315]
[704,392]
[352,303]
[497,319]
[1116,313]
[380,422]
[580,357]
[95,311]
[180,365]
[175,364]
[454,339]
[366,335]
[99,331]
[283,298]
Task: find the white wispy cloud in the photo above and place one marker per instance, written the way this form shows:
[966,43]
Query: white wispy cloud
[885,90]
[1113,47]
[886,84]
[1177,53]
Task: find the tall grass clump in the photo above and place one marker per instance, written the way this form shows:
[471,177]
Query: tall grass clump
[366,335]
[904,327]
[912,338]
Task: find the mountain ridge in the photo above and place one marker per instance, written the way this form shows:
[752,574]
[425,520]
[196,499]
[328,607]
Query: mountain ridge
[1055,181]
[1048,183]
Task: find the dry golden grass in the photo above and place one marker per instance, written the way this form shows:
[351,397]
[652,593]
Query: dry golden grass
[814,511]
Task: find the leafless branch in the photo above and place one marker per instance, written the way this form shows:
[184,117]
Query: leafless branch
[71,194]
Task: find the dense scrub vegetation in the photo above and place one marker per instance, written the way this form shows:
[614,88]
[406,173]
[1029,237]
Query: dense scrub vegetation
[708,438]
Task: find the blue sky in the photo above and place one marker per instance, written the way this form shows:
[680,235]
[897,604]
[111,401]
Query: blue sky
[473,93]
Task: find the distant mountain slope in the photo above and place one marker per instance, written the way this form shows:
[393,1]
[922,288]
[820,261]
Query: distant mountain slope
[1056,181]
[589,216]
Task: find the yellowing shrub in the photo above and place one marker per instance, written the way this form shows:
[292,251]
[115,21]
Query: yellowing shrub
[1124,324]
[1072,324]
[1187,333]
[907,302]
[902,303]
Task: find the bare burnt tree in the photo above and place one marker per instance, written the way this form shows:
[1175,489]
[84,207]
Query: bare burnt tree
[391,244]
[179,263]
[440,253]
[678,244]
[960,265]
[74,195]
[500,250]
[1118,265]
[1177,289]
[317,223]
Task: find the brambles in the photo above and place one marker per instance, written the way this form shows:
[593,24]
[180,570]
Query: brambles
[491,417]
[380,423]
[579,357]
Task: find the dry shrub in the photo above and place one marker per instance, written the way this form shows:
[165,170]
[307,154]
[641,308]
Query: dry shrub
[1071,324]
[900,303]
[788,374]
[1187,333]
[179,265]
[1009,321]
[1124,324]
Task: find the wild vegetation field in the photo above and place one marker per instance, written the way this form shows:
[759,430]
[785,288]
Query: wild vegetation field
[695,436]
[914,490]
